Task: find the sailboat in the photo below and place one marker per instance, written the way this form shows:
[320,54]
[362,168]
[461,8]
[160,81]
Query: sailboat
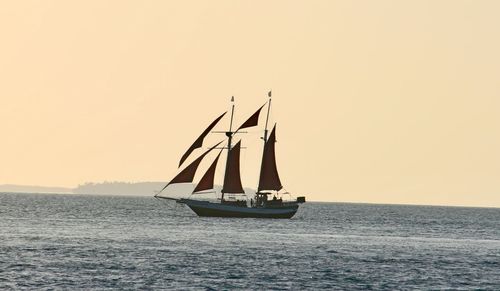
[233,201]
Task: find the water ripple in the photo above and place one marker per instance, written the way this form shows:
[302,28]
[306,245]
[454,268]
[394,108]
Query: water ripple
[108,243]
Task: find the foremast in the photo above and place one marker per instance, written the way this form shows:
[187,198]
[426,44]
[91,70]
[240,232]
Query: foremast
[232,178]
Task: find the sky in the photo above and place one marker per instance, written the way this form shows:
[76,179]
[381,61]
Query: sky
[375,101]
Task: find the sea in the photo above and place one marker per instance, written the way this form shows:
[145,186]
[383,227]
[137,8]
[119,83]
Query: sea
[84,242]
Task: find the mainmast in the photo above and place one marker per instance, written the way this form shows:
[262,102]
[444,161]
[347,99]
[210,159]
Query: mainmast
[265,133]
[269,178]
[229,135]
[267,118]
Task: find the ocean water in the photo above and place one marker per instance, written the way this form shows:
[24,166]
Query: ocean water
[107,242]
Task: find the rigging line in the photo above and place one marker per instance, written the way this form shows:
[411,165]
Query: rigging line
[156,194]
[175,208]
[166,203]
[159,192]
[287,193]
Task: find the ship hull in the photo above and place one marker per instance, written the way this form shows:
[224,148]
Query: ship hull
[209,209]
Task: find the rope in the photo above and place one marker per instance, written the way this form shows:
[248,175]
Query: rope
[174,208]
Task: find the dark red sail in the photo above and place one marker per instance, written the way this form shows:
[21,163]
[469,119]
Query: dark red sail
[269,178]
[253,120]
[199,141]
[187,175]
[207,181]
[232,179]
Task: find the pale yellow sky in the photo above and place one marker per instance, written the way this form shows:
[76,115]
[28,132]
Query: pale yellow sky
[376,101]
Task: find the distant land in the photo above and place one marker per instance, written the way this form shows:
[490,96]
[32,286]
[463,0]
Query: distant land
[119,188]
[110,188]
[104,188]
[33,189]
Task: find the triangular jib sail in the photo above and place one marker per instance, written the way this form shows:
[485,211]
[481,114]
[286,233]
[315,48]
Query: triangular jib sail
[269,178]
[199,141]
[207,181]
[232,179]
[187,175]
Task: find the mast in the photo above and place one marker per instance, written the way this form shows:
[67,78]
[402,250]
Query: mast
[229,135]
[267,118]
[265,135]
[232,178]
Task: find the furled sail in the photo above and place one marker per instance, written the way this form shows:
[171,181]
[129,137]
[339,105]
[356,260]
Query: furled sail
[187,175]
[253,120]
[199,141]
[207,181]
[269,178]
[232,179]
